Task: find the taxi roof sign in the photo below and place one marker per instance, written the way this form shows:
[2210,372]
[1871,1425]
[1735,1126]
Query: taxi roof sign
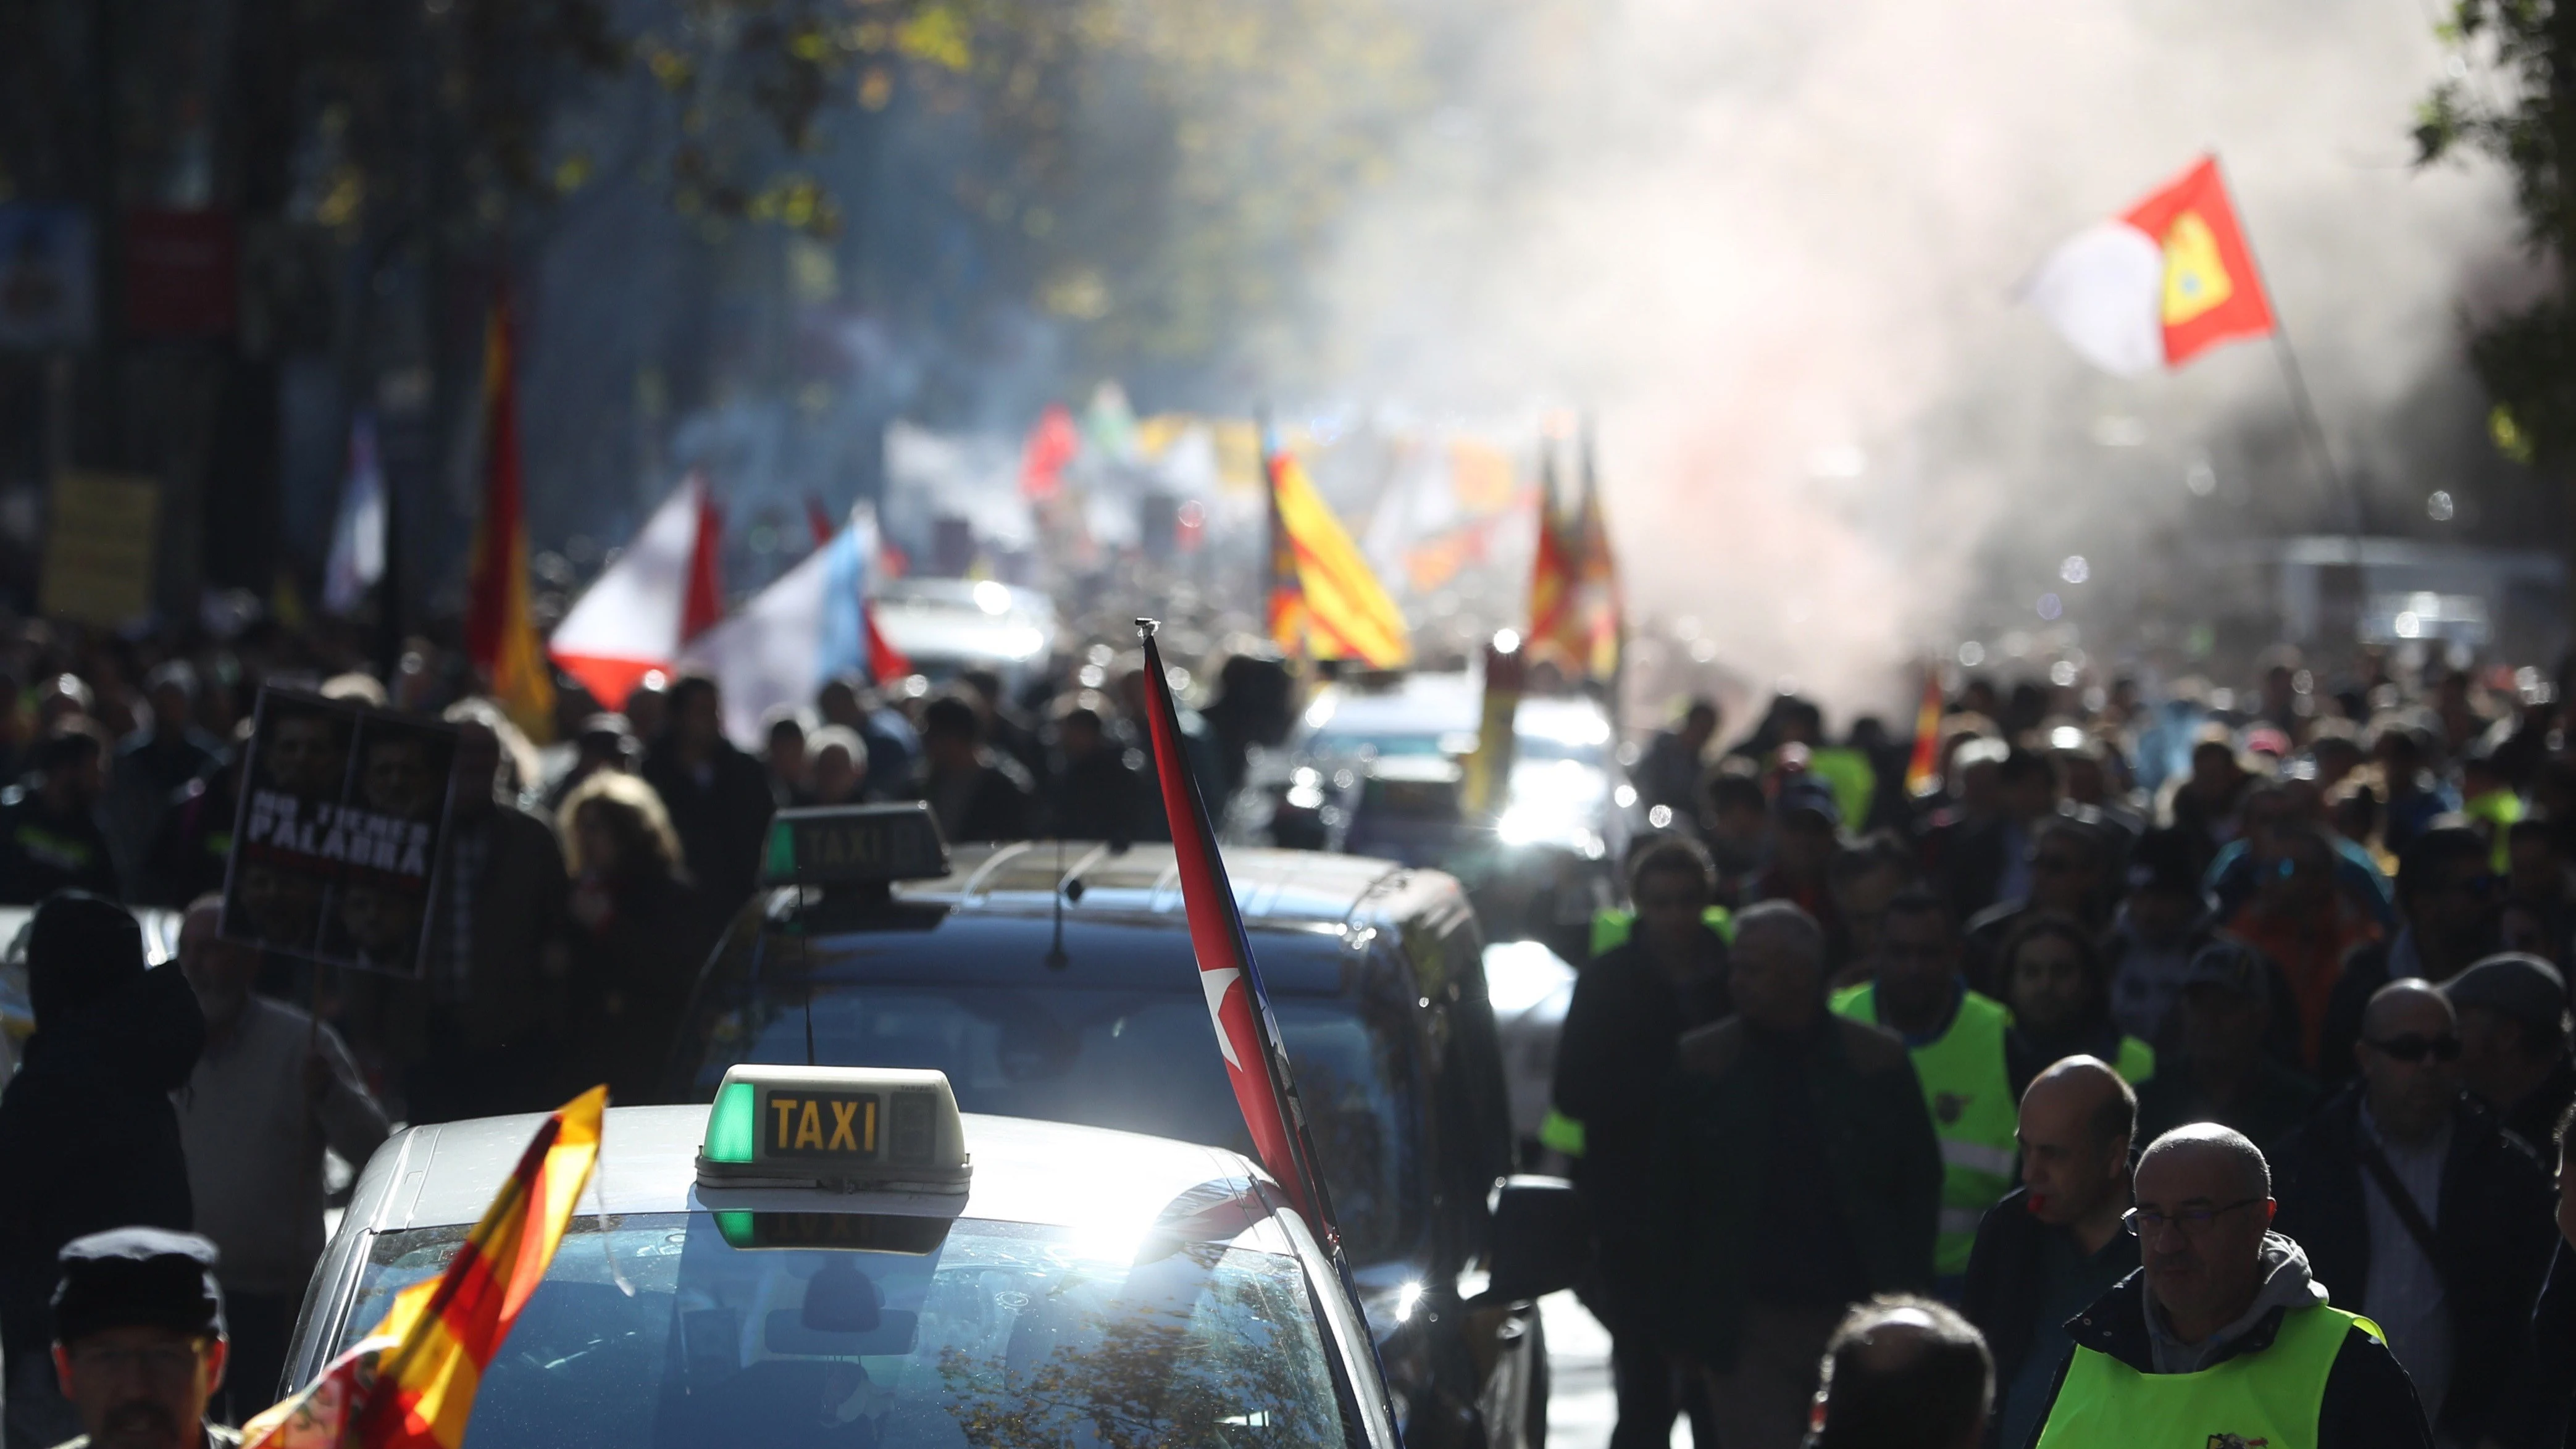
[854,845]
[840,1129]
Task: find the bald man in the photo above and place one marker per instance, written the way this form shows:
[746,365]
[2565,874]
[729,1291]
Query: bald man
[2418,1210]
[2054,1244]
[2222,1339]
[1903,1373]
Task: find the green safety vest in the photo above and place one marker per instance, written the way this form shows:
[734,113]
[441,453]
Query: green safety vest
[2268,1398]
[2137,1061]
[1611,926]
[1970,1094]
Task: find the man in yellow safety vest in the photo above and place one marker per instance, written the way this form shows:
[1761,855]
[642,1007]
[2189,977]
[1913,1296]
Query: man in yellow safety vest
[2222,1340]
[1957,1039]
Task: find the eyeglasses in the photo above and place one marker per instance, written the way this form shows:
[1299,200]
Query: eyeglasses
[161,1363]
[2414,1047]
[2143,1223]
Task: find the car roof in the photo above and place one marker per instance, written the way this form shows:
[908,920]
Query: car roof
[1051,1173]
[1451,704]
[1271,887]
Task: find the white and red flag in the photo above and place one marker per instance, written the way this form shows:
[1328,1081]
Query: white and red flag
[662,592]
[1256,1061]
[2158,284]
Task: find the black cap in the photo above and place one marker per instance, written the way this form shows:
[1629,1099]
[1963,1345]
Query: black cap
[137,1278]
[2523,988]
[80,948]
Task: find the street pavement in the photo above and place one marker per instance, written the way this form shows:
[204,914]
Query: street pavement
[1580,1405]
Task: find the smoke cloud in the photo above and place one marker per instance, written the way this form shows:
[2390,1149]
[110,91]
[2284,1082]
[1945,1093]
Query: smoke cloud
[1773,244]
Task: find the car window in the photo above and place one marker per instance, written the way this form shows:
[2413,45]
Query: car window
[657,1332]
[1132,1060]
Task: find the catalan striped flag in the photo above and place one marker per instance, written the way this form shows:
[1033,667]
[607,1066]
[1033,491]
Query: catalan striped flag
[411,1383]
[1555,634]
[1335,608]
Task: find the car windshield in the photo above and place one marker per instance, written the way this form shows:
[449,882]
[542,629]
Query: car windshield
[1134,1060]
[656,1330]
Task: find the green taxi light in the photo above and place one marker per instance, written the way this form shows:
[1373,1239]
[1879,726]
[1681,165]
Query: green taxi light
[854,845]
[846,1129]
[731,1130]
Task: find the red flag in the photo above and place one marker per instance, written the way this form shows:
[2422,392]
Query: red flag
[2212,293]
[818,521]
[1246,1032]
[704,604]
[884,660]
[1052,444]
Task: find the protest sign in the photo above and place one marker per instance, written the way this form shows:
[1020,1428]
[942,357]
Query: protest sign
[336,848]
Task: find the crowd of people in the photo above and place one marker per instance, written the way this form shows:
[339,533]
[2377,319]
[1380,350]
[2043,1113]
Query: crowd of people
[2307,942]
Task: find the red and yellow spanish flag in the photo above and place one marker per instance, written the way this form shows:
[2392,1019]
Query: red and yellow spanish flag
[1603,607]
[410,1384]
[500,627]
[2158,285]
[1923,771]
[1335,608]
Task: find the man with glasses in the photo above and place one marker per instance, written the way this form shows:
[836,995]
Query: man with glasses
[2222,1339]
[139,1340]
[2424,1214]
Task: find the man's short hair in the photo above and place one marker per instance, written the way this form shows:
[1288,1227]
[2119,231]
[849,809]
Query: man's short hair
[1733,789]
[2249,1158]
[2020,764]
[1919,900]
[1676,854]
[1782,916]
[1902,1372]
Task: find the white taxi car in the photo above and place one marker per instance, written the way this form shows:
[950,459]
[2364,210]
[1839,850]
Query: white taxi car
[836,1257]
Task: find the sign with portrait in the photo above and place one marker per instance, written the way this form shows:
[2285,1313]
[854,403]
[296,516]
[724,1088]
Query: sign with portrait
[336,847]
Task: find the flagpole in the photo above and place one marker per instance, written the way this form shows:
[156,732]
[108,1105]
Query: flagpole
[2312,432]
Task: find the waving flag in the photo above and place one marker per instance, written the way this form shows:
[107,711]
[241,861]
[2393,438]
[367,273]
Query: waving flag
[1247,1034]
[1601,607]
[663,591]
[1339,609]
[811,626]
[500,627]
[1923,771]
[411,1383]
[357,558]
[2159,285]
[1555,636]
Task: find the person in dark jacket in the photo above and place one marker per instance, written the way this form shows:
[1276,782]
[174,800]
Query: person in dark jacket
[88,1138]
[2424,1215]
[49,835]
[1097,794]
[2513,1043]
[1614,1060]
[1795,1173]
[2051,975]
[2553,1318]
[2218,1287]
[639,936]
[2221,1071]
[975,793]
[718,797]
[1668,773]
[2055,1243]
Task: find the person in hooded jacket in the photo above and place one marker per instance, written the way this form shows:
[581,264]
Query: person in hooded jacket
[88,1138]
[2223,1337]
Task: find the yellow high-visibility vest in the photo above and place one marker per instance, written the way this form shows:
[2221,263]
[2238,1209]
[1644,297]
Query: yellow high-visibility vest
[2271,1397]
[1968,1090]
